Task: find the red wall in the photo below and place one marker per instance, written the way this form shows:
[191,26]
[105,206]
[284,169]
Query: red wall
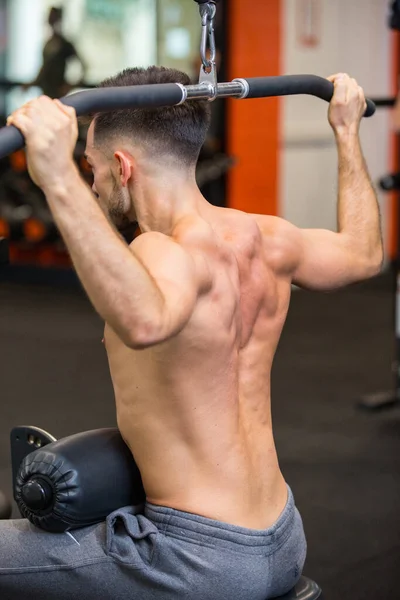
[254,47]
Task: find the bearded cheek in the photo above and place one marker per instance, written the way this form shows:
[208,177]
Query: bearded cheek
[116,204]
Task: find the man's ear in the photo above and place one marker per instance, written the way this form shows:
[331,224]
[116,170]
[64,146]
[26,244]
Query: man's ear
[125,167]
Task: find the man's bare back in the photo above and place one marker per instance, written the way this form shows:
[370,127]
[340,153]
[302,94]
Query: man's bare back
[195,410]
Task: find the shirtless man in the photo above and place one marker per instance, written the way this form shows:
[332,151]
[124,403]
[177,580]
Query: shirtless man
[194,309]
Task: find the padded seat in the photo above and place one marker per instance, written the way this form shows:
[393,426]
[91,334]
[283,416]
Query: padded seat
[304,590]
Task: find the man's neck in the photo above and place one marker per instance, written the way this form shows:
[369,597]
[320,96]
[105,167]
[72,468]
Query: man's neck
[160,205]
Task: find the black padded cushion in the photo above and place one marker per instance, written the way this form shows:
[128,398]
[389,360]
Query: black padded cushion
[304,590]
[78,481]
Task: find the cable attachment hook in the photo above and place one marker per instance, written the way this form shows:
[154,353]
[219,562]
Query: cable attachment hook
[208,69]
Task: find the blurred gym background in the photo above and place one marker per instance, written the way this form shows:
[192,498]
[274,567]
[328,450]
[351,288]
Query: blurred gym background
[275,156]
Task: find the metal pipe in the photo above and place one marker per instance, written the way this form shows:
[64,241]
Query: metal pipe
[173,94]
[202,91]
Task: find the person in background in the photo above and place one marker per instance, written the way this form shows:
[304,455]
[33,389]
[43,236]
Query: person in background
[56,54]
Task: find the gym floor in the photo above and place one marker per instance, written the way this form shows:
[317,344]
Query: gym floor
[343,465]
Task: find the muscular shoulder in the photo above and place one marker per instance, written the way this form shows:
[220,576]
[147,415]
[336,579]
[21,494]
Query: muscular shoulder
[273,232]
[280,240]
[272,226]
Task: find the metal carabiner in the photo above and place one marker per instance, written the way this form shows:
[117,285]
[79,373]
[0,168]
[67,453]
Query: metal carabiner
[208,69]
[208,12]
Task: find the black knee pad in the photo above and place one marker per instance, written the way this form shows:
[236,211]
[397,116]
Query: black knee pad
[78,481]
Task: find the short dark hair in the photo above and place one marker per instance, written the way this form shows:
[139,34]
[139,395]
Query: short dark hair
[179,131]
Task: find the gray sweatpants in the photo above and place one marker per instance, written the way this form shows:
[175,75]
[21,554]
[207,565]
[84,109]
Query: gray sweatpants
[152,553]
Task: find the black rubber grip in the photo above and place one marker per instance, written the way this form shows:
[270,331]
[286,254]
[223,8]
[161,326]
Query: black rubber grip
[207,1]
[288,85]
[102,100]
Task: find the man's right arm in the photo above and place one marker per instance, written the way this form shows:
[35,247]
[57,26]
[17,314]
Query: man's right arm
[324,260]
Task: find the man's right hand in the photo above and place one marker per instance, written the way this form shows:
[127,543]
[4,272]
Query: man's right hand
[347,106]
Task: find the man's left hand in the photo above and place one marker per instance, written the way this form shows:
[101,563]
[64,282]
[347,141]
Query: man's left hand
[50,130]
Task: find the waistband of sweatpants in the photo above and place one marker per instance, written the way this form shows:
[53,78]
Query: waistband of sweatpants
[198,529]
